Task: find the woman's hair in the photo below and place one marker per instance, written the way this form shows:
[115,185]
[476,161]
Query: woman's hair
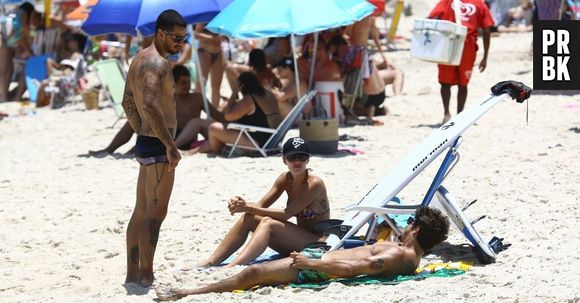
[27,7]
[289,180]
[251,84]
[257,59]
[433,227]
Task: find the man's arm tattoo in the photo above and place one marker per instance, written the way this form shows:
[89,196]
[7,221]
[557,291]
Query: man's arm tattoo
[130,108]
[154,72]
[378,264]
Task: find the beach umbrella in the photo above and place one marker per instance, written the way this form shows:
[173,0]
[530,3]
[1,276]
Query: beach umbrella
[114,16]
[267,18]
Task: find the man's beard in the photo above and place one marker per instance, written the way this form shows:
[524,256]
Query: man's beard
[172,51]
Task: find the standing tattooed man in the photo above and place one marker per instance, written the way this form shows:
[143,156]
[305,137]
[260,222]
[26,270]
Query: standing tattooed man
[150,108]
[428,229]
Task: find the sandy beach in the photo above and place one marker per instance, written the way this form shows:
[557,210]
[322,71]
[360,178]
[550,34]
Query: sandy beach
[64,215]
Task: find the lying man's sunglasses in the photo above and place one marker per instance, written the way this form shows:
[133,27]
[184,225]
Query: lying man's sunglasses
[177,38]
[299,157]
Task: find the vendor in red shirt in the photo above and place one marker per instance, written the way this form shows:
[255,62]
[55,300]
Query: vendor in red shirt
[474,15]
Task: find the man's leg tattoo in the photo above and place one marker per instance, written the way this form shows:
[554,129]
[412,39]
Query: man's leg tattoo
[135,254]
[153,232]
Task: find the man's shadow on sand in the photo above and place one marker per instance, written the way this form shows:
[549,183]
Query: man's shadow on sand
[136,289]
[105,154]
[454,252]
[433,126]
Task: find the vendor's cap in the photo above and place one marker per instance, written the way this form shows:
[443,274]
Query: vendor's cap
[286,62]
[296,146]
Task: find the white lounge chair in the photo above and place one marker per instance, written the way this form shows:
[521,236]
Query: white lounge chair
[277,134]
[376,202]
[112,76]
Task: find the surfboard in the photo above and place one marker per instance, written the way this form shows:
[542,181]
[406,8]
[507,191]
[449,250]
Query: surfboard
[407,169]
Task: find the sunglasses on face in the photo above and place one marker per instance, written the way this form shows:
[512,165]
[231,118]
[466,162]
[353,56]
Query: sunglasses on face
[410,221]
[177,38]
[294,158]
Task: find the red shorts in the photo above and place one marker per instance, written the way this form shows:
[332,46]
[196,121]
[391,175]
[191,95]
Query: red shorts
[459,75]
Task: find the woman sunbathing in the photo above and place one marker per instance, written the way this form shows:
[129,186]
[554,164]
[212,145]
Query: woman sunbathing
[258,107]
[307,200]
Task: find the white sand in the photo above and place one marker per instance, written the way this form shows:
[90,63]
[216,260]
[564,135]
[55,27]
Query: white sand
[64,216]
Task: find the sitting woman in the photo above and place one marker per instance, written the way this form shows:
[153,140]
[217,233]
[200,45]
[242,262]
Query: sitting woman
[307,200]
[258,107]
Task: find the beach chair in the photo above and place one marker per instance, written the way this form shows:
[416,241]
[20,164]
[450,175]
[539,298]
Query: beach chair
[377,203]
[277,134]
[112,77]
[36,71]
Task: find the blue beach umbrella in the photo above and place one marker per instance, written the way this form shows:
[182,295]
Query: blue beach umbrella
[125,16]
[276,18]
[248,19]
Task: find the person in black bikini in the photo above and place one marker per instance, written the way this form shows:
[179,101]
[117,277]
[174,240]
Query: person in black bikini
[188,109]
[211,60]
[258,107]
[307,201]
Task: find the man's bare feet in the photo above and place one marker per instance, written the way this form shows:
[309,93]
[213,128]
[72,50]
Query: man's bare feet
[169,295]
[131,281]
[94,153]
[146,282]
[189,152]
[446,118]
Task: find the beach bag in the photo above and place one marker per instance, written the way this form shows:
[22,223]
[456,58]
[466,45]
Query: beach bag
[321,134]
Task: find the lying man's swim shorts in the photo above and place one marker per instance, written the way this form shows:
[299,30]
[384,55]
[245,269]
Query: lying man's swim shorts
[313,276]
[150,150]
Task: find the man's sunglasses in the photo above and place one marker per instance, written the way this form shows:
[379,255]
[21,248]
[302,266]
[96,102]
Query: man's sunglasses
[298,157]
[177,38]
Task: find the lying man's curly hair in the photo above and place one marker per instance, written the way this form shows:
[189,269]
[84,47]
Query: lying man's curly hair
[433,227]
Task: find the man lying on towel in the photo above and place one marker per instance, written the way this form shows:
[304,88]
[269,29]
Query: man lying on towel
[428,229]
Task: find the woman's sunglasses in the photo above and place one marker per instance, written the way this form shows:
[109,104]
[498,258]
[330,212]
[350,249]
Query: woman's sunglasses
[177,38]
[299,157]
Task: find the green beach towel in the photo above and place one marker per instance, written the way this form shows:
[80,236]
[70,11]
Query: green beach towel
[441,270]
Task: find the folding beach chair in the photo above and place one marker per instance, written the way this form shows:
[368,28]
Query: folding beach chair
[112,77]
[277,134]
[36,71]
[377,202]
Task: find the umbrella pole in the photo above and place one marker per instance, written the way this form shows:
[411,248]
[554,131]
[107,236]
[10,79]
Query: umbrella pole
[311,76]
[296,72]
[201,80]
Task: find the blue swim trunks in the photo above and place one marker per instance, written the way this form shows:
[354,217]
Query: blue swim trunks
[150,150]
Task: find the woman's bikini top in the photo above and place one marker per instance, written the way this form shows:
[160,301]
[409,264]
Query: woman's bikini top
[308,213]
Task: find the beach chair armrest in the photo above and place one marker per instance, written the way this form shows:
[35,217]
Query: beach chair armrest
[391,209]
[250,128]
